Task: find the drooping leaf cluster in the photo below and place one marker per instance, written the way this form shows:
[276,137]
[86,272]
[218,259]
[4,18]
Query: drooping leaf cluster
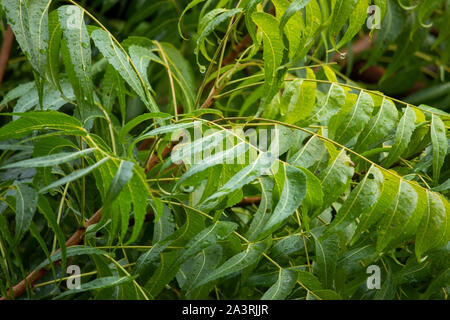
[223,152]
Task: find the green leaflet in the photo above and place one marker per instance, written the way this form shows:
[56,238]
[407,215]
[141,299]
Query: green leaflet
[330,74]
[288,245]
[313,201]
[434,228]
[291,21]
[183,76]
[440,145]
[355,121]
[191,4]
[54,47]
[342,11]
[439,282]
[358,18]
[336,177]
[100,283]
[307,156]
[17,15]
[329,186]
[284,285]
[46,210]
[17,92]
[294,190]
[403,135]
[74,176]
[243,177]
[53,99]
[235,263]
[210,27]
[141,58]
[31,121]
[35,234]
[249,10]
[302,98]
[120,61]
[420,136]
[443,187]
[193,152]
[292,9]
[122,177]
[389,189]
[216,159]
[39,33]
[165,271]
[78,64]
[307,96]
[138,193]
[164,226]
[26,203]
[314,288]
[387,291]
[29,21]
[361,199]
[264,210]
[313,23]
[113,86]
[145,265]
[197,268]
[218,231]
[289,97]
[327,252]
[309,281]
[138,120]
[170,128]
[273,54]
[281,141]
[398,215]
[352,260]
[71,252]
[332,103]
[49,161]
[378,127]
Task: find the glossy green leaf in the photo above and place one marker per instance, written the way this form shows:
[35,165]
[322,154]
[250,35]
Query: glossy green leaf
[378,127]
[440,145]
[26,204]
[236,263]
[284,285]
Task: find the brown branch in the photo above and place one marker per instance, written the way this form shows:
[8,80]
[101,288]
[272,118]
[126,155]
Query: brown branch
[231,56]
[8,39]
[248,201]
[78,236]
[154,160]
[34,276]
[74,240]
[240,47]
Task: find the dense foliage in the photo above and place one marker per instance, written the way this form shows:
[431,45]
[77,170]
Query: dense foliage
[224,149]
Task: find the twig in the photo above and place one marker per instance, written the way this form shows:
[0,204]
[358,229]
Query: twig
[248,201]
[34,276]
[154,160]
[74,240]
[78,236]
[8,39]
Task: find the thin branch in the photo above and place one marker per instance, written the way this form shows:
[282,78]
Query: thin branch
[19,289]
[8,39]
